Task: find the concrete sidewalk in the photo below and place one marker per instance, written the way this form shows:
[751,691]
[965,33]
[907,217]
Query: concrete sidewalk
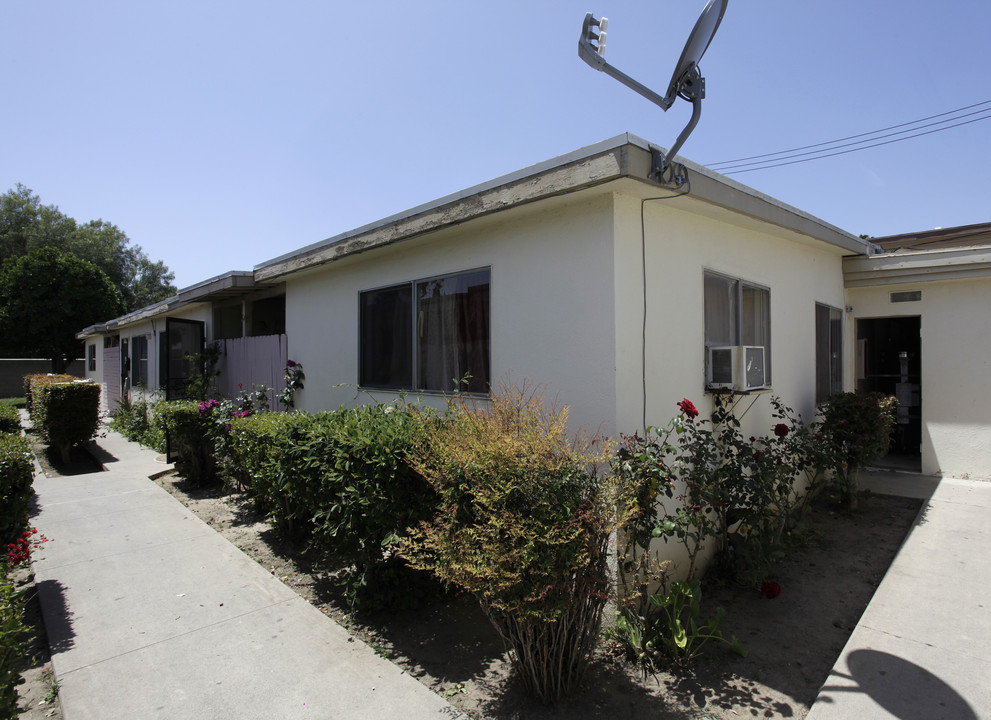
[922,650]
[152,614]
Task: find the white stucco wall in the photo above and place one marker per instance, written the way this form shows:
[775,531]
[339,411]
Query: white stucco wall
[567,304]
[956,362]
[552,313]
[680,246]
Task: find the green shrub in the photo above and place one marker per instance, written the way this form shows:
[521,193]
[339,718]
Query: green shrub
[369,495]
[256,449]
[190,431]
[858,427]
[524,524]
[66,413]
[10,419]
[16,476]
[13,642]
[134,421]
[338,481]
[33,382]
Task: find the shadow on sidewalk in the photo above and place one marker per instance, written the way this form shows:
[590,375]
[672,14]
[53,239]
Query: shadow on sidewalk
[904,689]
[99,455]
[58,618]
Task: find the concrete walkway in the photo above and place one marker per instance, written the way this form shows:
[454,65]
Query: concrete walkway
[152,614]
[922,650]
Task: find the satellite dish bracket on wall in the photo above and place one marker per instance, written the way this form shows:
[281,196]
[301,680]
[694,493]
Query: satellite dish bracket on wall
[686,82]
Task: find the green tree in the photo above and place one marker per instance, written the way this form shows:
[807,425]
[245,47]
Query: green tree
[26,225]
[49,296]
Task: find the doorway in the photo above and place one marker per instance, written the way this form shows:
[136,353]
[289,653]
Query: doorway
[889,361]
[182,338]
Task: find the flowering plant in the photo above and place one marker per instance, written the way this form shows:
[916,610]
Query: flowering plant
[294,381]
[19,551]
[207,406]
[689,409]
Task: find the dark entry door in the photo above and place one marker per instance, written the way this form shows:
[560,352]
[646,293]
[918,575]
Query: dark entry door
[889,360]
[182,339]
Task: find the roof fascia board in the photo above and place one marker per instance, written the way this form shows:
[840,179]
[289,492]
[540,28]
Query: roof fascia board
[917,267]
[595,165]
[622,156]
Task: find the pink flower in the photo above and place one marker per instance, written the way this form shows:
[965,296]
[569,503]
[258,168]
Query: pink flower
[688,408]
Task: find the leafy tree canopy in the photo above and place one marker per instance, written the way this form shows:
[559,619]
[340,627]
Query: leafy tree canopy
[26,225]
[46,297]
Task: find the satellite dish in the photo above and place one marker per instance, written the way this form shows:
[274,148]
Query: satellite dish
[698,42]
[686,81]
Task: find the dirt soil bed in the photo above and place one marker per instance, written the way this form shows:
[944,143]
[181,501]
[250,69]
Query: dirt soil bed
[793,640]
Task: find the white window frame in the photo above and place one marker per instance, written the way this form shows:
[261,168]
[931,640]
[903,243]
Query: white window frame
[734,330]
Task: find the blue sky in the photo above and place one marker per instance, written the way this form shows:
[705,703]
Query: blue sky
[220,134]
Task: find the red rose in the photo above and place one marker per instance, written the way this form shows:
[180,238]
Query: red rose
[781,430]
[770,589]
[689,409]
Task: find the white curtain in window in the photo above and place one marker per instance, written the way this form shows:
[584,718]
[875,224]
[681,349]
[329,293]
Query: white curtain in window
[720,311]
[453,332]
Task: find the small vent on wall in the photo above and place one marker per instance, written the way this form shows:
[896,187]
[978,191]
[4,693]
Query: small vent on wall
[907,296]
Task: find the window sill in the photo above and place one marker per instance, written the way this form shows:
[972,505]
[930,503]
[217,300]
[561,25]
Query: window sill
[726,391]
[423,393]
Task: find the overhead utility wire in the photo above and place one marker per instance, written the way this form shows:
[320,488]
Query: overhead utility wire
[851,137]
[820,153]
[774,163]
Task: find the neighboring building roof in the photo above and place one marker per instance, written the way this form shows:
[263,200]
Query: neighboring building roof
[960,236]
[233,283]
[955,253]
[917,266]
[623,157]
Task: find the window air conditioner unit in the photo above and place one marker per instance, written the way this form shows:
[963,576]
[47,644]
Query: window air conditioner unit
[721,370]
[752,368]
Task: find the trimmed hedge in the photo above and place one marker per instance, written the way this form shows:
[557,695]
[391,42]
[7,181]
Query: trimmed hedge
[65,413]
[337,480]
[31,382]
[16,476]
[256,446]
[10,419]
[190,433]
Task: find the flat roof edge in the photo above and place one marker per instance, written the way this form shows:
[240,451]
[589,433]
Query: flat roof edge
[710,186]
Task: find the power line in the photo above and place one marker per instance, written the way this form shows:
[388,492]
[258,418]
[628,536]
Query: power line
[818,154]
[777,159]
[851,137]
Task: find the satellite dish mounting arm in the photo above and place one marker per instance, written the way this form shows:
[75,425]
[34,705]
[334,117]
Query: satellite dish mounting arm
[593,55]
[687,81]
